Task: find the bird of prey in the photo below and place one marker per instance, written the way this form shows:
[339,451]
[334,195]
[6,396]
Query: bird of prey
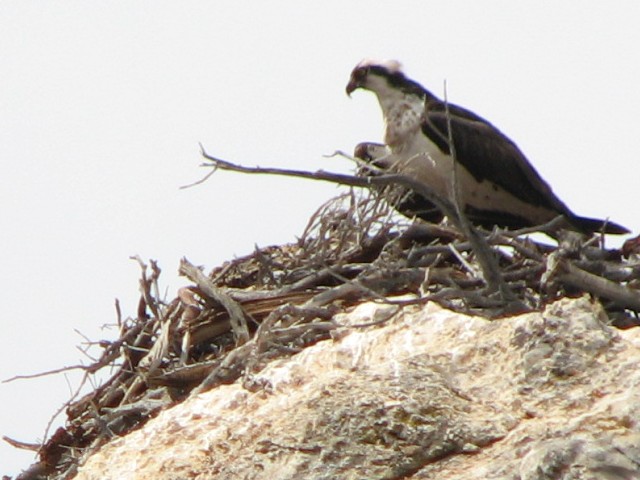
[406,202]
[495,182]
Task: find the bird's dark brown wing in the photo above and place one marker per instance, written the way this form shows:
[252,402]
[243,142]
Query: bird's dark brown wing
[489,155]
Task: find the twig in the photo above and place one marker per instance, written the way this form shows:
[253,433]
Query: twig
[62,408]
[565,271]
[34,447]
[237,315]
[118,313]
[486,259]
[461,259]
[146,285]
[49,372]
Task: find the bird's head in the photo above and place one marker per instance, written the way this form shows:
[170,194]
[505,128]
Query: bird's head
[375,76]
[375,158]
[384,78]
[369,152]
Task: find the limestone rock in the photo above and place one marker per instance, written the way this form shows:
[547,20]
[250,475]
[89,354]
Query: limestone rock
[429,394]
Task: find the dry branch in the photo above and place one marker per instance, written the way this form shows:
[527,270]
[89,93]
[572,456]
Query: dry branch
[274,302]
[237,316]
[487,262]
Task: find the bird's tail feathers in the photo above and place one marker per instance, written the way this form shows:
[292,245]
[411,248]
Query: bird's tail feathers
[596,225]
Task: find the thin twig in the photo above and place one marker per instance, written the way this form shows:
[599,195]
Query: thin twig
[486,257]
[49,372]
[236,314]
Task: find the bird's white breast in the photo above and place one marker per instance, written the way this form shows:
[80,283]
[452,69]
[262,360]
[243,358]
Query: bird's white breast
[413,152]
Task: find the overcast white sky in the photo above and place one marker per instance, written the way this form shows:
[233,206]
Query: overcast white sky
[103,103]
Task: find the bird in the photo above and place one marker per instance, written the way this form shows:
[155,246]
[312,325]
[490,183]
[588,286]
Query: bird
[425,137]
[410,204]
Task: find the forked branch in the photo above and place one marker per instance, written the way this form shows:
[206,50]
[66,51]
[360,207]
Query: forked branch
[490,272]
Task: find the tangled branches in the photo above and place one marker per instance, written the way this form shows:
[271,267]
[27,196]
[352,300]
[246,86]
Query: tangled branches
[279,300]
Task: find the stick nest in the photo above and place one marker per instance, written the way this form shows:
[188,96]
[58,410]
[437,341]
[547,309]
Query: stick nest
[278,300]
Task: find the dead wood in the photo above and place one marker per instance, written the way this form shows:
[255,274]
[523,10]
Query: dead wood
[277,300]
[237,316]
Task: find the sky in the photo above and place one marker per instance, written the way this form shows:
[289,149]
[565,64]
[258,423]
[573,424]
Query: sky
[103,104]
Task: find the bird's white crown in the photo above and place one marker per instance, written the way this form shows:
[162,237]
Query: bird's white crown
[393,66]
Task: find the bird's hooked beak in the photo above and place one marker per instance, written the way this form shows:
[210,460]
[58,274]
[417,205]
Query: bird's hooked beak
[352,85]
[357,80]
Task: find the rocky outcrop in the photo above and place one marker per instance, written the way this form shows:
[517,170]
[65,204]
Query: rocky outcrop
[425,394]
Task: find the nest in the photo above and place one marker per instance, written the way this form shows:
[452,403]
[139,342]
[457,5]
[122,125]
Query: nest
[278,300]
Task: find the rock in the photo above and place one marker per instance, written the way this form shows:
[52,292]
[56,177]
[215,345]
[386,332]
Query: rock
[429,394]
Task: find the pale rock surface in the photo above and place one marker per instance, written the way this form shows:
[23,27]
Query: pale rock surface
[430,394]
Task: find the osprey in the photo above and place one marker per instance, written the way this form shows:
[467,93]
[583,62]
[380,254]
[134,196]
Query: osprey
[495,182]
[406,202]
